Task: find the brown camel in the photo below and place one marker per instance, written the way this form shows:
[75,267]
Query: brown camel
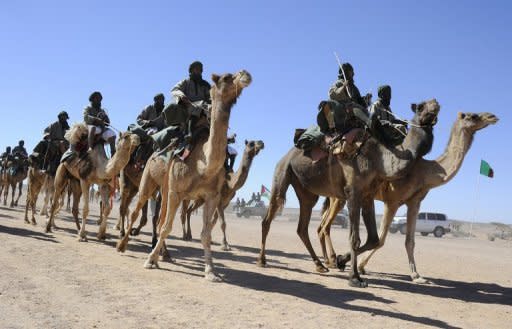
[14,181]
[39,180]
[96,168]
[352,179]
[129,182]
[202,174]
[232,184]
[413,188]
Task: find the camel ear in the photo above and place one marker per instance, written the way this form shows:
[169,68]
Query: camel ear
[215,78]
[246,142]
[413,107]
[461,115]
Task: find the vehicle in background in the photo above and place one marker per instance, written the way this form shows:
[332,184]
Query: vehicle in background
[256,208]
[426,223]
[341,219]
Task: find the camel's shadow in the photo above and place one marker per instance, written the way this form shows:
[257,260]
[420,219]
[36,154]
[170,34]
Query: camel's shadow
[473,292]
[26,233]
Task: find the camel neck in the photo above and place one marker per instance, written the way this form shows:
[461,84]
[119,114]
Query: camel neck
[453,156]
[116,163]
[215,147]
[398,161]
[242,173]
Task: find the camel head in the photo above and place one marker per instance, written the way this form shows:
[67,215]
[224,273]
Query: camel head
[127,142]
[76,133]
[425,113]
[252,148]
[228,87]
[473,122]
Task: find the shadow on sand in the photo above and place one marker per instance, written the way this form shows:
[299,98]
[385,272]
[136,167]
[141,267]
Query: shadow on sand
[27,233]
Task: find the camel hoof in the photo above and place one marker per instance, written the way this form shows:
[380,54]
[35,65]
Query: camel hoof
[357,283]
[47,230]
[98,222]
[361,270]
[117,228]
[341,262]
[82,239]
[34,222]
[134,232]
[149,264]
[102,237]
[321,269]
[421,280]
[166,257]
[261,263]
[225,247]
[120,246]
[212,277]
[26,221]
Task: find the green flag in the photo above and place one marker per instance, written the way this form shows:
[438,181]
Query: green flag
[265,192]
[485,169]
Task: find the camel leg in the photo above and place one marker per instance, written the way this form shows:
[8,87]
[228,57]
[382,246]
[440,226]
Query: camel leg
[82,235]
[307,201]
[20,192]
[168,212]
[413,207]
[127,194]
[13,189]
[387,218]
[324,231]
[74,185]
[277,200]
[59,184]
[220,213]
[183,216]
[105,211]
[354,210]
[143,219]
[145,193]
[368,214]
[206,237]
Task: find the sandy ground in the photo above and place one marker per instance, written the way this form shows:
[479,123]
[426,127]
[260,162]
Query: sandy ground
[53,281]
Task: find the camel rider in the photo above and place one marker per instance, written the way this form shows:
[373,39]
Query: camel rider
[347,109]
[50,149]
[6,157]
[231,154]
[151,118]
[191,100]
[20,150]
[387,128]
[97,119]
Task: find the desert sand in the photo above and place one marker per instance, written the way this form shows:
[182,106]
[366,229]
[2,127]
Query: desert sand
[54,281]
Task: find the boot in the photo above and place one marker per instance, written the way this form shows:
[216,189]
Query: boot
[90,138]
[112,143]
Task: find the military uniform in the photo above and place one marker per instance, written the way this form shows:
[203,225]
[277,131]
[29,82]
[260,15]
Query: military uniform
[386,127]
[151,119]
[97,117]
[20,151]
[56,131]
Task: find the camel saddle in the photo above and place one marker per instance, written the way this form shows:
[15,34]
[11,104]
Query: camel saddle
[318,145]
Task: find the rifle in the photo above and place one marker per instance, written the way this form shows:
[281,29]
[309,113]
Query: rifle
[342,72]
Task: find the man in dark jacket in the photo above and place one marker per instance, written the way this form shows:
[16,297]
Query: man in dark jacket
[97,121]
[151,118]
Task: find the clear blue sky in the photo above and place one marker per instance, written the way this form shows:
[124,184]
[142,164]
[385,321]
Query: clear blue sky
[55,53]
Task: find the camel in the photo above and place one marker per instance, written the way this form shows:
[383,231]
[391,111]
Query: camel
[94,169]
[129,182]
[232,184]
[353,179]
[202,174]
[413,188]
[14,181]
[40,180]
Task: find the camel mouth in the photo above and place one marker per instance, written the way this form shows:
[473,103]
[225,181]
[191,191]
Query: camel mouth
[490,118]
[244,78]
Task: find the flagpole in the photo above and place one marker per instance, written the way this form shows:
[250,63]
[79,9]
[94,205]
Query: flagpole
[475,206]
